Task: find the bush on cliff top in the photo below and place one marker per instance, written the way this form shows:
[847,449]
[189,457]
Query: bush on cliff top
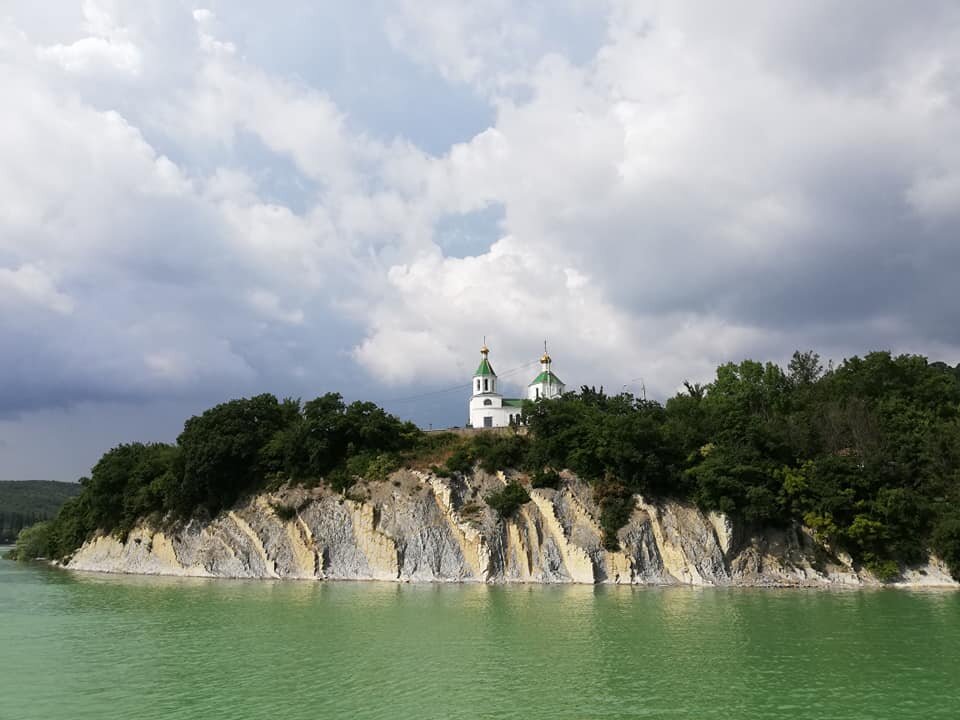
[507,501]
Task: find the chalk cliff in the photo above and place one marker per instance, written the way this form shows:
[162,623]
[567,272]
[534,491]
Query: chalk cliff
[418,527]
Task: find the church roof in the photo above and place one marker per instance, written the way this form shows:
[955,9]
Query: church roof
[512,402]
[548,377]
[485,368]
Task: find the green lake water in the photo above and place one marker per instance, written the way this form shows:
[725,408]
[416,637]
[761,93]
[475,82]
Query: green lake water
[78,646]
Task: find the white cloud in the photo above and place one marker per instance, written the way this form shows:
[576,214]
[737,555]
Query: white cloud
[202,15]
[268,305]
[716,190]
[32,285]
[431,321]
[108,47]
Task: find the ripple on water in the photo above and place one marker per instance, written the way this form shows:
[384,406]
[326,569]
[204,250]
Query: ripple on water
[92,646]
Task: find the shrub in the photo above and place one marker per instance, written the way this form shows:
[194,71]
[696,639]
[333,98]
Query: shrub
[432,450]
[340,480]
[34,541]
[616,506]
[548,478]
[507,501]
[498,452]
[284,512]
[372,466]
[470,508]
[946,543]
[382,466]
[886,571]
[461,461]
[356,496]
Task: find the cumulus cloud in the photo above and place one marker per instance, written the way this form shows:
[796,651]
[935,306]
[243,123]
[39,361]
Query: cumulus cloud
[662,187]
[734,192]
[107,47]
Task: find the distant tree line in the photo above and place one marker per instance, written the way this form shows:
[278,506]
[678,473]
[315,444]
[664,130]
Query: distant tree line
[26,502]
[866,454]
[11,523]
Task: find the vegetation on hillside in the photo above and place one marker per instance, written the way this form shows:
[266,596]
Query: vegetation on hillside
[507,501]
[23,503]
[229,451]
[866,454]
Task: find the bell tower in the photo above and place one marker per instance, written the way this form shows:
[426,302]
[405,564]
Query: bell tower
[484,379]
[488,408]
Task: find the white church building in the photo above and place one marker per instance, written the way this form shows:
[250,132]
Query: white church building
[488,408]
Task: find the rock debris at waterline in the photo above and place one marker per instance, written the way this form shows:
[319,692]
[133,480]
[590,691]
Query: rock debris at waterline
[422,528]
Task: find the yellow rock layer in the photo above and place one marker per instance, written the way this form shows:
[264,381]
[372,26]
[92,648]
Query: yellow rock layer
[675,561]
[162,549]
[516,552]
[473,546]
[301,548]
[256,541]
[379,550]
[575,559]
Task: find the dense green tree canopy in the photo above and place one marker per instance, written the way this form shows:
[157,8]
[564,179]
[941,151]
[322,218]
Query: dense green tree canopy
[227,452]
[867,453]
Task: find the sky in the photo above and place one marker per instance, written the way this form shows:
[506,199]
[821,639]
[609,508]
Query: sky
[213,199]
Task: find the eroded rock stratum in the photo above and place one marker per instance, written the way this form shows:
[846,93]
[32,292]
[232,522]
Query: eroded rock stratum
[418,527]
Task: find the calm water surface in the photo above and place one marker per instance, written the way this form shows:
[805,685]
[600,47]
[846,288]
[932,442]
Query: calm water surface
[77,646]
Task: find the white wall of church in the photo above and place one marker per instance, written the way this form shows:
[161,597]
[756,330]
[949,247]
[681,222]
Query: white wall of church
[498,415]
[543,390]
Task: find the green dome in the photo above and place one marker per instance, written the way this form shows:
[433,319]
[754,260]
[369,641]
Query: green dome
[485,369]
[548,377]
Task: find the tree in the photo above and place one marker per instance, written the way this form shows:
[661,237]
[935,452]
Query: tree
[223,451]
[34,542]
[804,369]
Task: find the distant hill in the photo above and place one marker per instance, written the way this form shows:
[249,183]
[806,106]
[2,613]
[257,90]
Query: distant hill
[24,502]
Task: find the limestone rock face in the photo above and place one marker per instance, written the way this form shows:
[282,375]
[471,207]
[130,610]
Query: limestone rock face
[418,527]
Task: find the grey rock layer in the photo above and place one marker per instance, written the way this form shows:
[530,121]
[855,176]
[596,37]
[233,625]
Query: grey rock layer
[418,527]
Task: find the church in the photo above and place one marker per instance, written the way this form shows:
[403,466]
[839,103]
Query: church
[488,408]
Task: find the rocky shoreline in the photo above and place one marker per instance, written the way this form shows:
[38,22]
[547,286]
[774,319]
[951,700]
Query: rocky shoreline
[418,527]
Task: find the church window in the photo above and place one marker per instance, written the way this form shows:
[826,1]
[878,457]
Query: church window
[538,393]
[478,384]
[485,385]
[488,401]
